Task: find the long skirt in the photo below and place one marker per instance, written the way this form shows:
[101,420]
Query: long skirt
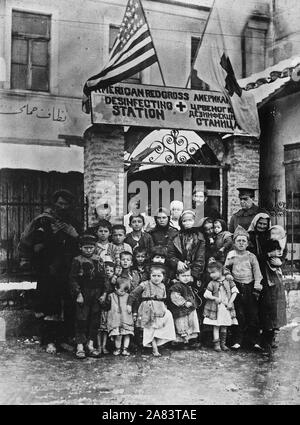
[163,334]
[272,306]
[187,327]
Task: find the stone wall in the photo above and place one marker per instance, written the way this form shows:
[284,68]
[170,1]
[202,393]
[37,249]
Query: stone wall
[242,156]
[104,171]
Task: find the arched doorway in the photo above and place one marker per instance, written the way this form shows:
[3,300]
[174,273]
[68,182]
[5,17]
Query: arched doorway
[171,164]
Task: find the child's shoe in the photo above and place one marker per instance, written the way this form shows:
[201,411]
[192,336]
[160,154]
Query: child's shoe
[105,350]
[80,354]
[223,341]
[236,346]
[125,352]
[92,352]
[257,347]
[117,352]
[51,349]
[217,346]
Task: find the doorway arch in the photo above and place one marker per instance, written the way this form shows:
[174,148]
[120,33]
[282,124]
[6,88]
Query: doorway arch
[181,159]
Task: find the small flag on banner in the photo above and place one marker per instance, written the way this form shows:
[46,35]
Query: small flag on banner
[132,52]
[213,64]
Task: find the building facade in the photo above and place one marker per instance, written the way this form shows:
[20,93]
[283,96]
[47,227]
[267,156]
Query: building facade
[48,50]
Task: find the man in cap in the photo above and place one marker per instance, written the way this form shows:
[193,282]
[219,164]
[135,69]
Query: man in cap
[248,211]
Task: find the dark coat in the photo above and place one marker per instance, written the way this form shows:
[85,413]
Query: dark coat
[52,262]
[86,273]
[272,303]
[177,252]
[145,242]
[187,293]
[244,217]
[162,235]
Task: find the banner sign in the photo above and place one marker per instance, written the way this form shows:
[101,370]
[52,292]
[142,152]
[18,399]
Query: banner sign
[162,107]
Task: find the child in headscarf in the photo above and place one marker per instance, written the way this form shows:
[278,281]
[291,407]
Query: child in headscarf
[275,246]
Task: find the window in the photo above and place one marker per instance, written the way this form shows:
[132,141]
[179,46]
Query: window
[196,82]
[113,32]
[29,52]
[254,43]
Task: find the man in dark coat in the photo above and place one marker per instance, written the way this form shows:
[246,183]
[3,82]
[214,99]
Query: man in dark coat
[49,243]
[248,211]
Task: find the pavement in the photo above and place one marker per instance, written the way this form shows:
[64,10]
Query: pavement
[30,376]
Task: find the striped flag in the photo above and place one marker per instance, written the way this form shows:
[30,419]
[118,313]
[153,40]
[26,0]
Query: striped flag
[213,62]
[132,52]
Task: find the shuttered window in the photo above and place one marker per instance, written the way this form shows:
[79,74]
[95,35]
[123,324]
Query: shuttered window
[30,51]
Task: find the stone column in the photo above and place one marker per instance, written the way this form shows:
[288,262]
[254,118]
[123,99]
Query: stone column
[104,172]
[242,156]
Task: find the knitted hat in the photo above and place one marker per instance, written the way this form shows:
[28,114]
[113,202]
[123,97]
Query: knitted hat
[109,263]
[240,231]
[87,239]
[184,212]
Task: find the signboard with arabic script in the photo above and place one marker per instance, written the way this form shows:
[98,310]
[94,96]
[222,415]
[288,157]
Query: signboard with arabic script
[162,107]
[30,116]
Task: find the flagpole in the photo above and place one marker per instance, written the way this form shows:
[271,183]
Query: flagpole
[162,76]
[199,45]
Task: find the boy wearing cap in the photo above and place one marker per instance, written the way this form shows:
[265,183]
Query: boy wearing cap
[248,211]
[87,282]
[246,273]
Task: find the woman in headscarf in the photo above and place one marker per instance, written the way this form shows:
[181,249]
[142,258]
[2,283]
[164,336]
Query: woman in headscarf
[162,232]
[176,208]
[270,250]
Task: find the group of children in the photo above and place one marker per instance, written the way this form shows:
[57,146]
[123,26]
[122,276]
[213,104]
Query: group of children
[124,291]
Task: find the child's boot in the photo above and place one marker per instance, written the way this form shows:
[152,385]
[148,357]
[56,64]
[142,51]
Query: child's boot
[223,341]
[217,346]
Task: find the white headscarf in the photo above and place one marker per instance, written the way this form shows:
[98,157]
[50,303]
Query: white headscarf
[253,224]
[282,240]
[175,203]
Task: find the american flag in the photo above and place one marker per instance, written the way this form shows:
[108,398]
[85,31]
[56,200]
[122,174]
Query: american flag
[132,52]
